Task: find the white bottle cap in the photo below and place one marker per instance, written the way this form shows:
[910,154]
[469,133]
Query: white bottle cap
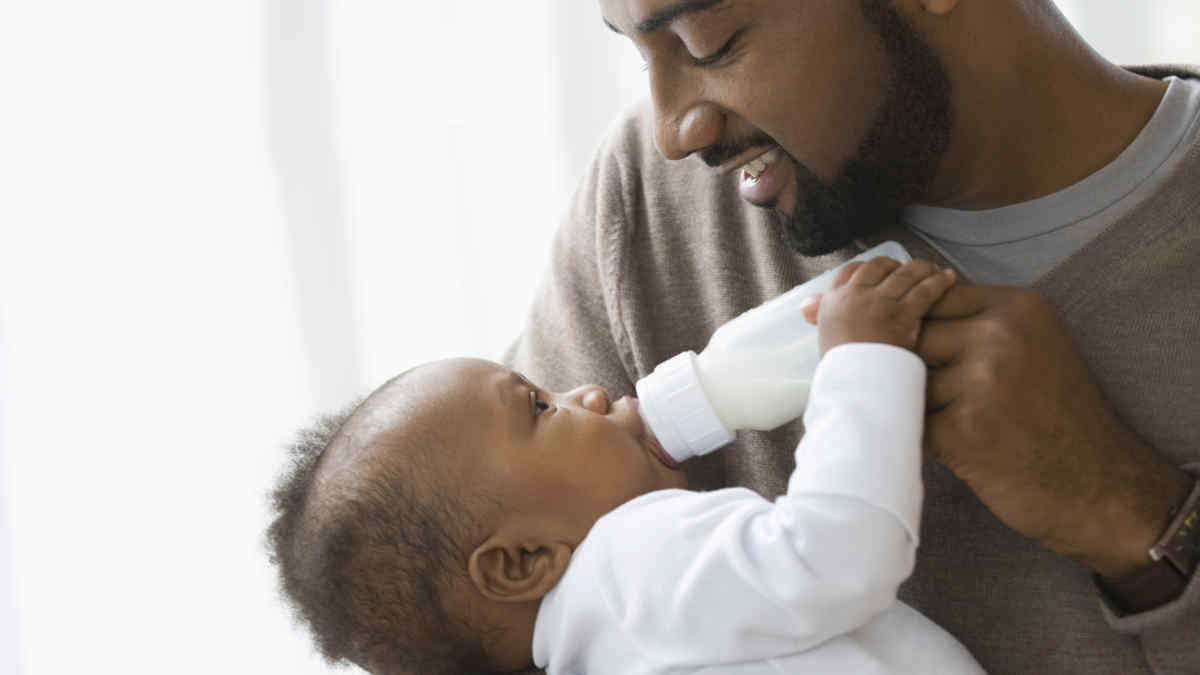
[674,405]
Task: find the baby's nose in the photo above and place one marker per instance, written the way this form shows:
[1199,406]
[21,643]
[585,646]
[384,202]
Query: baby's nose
[593,398]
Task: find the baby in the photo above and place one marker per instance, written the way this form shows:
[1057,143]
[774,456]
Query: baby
[463,520]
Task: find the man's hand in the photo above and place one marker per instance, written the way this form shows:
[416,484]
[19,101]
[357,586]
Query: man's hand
[1015,413]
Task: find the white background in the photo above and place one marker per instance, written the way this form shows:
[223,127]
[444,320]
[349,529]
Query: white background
[220,218]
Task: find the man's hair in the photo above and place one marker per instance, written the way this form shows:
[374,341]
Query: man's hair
[365,557]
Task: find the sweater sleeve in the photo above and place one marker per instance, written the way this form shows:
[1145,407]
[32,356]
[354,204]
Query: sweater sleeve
[726,576]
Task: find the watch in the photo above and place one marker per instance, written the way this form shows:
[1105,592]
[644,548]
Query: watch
[1175,556]
[1179,545]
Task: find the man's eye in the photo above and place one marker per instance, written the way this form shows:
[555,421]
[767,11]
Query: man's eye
[716,57]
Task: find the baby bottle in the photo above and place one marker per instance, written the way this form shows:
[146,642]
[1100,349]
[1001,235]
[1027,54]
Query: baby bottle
[754,374]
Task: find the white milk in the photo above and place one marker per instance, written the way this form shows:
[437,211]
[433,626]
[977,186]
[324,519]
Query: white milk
[754,374]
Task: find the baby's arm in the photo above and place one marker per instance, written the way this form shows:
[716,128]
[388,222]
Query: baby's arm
[727,576]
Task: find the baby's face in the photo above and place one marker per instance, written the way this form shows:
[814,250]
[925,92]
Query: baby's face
[556,461]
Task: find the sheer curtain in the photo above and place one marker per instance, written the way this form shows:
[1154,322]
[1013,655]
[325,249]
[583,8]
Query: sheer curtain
[218,219]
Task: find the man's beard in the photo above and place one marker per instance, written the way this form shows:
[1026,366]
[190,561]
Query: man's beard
[896,162]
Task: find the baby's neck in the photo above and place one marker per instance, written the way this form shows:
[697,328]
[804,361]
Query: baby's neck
[509,628]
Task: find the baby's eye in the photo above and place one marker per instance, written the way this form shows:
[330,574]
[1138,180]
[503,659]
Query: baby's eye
[539,406]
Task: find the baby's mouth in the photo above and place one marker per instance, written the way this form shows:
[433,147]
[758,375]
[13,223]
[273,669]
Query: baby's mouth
[652,445]
[658,451]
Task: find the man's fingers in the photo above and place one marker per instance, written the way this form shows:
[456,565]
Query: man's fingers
[941,388]
[937,434]
[941,342]
[965,300]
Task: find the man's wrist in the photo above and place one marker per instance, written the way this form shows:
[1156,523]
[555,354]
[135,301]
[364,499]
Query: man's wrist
[1169,562]
[1136,517]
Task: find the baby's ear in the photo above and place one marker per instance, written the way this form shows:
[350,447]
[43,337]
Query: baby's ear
[504,570]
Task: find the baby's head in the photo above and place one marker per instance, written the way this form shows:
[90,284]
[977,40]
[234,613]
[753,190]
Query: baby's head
[420,531]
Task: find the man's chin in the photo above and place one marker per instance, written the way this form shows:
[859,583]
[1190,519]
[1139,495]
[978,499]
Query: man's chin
[813,218]
[811,233]
[807,239]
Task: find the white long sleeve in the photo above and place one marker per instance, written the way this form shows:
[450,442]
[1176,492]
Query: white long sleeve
[678,580]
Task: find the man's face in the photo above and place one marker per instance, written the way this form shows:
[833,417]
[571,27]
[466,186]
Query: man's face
[855,103]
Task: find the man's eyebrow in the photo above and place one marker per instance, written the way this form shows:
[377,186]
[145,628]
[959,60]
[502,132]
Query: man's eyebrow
[669,14]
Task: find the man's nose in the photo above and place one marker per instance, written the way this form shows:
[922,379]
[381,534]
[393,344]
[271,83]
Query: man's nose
[683,124]
[589,396]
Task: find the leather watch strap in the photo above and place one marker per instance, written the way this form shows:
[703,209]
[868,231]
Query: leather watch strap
[1180,543]
[1175,557]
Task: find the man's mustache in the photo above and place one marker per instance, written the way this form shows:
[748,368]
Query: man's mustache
[722,151]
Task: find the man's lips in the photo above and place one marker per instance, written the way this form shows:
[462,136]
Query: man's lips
[763,188]
[738,163]
[762,173]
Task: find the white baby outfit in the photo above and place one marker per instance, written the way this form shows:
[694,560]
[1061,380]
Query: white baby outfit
[727,582]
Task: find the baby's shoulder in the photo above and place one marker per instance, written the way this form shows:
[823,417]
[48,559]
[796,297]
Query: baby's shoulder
[635,555]
[667,518]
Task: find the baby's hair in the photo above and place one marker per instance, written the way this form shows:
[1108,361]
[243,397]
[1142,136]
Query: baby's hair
[365,556]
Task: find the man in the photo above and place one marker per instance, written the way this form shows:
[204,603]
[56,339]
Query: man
[786,136]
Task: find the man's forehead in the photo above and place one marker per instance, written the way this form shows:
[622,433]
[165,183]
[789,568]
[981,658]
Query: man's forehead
[647,16]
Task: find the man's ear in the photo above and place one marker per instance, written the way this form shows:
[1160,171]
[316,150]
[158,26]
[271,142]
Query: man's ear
[505,570]
[939,7]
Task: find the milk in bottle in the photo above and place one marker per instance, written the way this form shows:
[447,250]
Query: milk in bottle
[754,373]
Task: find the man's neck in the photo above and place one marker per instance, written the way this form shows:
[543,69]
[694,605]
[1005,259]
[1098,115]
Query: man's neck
[1035,109]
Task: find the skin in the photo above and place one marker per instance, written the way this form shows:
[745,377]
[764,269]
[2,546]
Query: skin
[1014,411]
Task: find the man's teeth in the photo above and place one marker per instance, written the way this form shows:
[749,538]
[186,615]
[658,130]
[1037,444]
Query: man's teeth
[755,168]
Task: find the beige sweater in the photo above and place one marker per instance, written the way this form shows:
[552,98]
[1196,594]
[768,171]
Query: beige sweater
[655,255]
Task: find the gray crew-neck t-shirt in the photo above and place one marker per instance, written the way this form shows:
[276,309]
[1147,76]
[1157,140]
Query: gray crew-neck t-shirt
[1018,244]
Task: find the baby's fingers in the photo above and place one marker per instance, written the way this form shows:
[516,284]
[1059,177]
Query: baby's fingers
[809,308]
[922,296]
[906,277]
[843,275]
[874,271]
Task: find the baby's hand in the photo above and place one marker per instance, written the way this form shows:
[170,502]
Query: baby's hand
[878,301]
